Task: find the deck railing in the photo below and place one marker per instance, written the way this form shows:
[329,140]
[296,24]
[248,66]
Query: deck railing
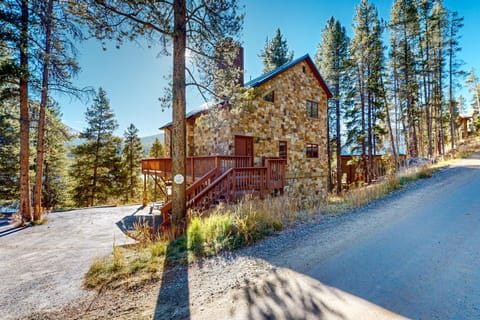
[196,167]
[220,178]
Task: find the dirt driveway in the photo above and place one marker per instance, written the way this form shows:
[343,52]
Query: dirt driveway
[42,267]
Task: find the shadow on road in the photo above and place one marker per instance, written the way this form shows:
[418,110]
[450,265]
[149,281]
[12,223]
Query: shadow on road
[173,301]
[287,297]
[130,223]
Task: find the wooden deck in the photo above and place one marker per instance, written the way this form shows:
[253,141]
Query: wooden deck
[211,179]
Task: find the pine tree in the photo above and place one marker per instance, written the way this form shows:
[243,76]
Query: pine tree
[368,59]
[439,22]
[9,127]
[472,82]
[404,35]
[27,27]
[200,27]
[332,57]
[132,155]
[275,53]
[9,151]
[55,183]
[96,169]
[58,67]
[455,23]
[156,150]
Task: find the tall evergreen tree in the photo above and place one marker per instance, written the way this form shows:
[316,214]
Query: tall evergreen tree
[332,57]
[132,155]
[455,23]
[156,150]
[472,82]
[9,151]
[439,24]
[56,55]
[275,53]
[96,166]
[55,183]
[200,27]
[404,33]
[368,59]
[9,126]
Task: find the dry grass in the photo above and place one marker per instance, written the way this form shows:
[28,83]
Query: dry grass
[128,266]
[357,198]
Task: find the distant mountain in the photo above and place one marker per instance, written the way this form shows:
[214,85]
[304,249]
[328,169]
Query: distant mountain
[148,140]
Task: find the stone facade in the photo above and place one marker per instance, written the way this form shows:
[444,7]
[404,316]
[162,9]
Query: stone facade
[268,123]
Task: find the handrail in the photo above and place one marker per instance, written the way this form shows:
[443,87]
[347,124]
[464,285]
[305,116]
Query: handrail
[192,203]
[195,188]
[197,165]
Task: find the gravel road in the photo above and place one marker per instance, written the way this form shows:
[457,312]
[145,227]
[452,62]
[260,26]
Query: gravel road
[414,254]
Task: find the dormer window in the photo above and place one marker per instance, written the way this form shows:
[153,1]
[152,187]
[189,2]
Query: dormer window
[270,97]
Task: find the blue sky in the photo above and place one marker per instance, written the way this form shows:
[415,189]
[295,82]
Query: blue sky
[133,76]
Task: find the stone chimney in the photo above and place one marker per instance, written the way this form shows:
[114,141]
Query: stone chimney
[230,64]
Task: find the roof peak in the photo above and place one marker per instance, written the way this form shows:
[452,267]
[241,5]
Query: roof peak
[269,75]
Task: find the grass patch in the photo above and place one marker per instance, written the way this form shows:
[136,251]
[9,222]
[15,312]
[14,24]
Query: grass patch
[127,267]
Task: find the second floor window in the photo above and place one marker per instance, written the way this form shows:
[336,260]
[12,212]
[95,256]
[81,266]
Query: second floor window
[312,109]
[282,149]
[312,150]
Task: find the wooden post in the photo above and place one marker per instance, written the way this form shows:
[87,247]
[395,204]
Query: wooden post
[145,195]
[234,184]
[217,164]
[269,176]
[192,168]
[228,190]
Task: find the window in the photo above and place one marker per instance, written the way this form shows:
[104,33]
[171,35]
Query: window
[312,150]
[282,149]
[312,109]
[270,97]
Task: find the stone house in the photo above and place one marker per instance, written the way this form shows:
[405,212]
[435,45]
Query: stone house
[286,120]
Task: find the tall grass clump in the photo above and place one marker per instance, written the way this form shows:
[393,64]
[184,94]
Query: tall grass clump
[242,224]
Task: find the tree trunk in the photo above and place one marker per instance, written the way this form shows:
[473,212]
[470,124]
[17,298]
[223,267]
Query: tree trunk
[25,202]
[41,118]
[362,106]
[329,153]
[450,94]
[369,135]
[389,124]
[132,178]
[179,222]
[338,136]
[95,172]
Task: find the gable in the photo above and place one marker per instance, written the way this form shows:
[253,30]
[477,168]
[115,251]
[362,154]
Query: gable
[270,75]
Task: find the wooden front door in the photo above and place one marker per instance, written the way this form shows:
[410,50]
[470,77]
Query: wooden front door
[244,146]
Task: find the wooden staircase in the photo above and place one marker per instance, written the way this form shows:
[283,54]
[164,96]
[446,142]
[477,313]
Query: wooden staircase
[218,178]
